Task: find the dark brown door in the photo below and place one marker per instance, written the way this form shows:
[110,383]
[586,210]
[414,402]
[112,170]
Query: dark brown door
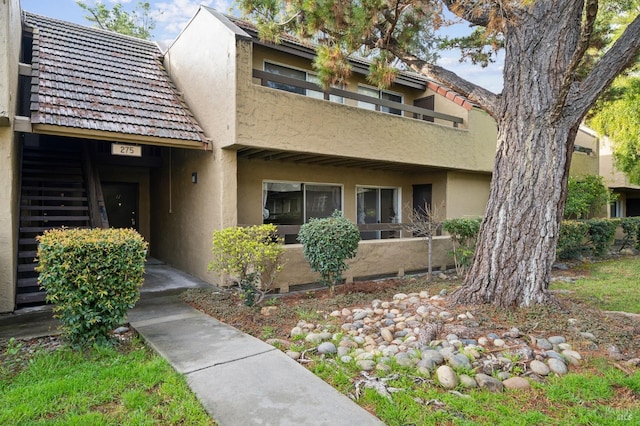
[426,103]
[421,197]
[121,201]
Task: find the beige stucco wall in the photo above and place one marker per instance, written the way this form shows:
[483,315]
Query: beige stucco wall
[374,258]
[202,63]
[10,30]
[612,176]
[262,54]
[583,164]
[275,119]
[462,194]
[251,174]
[467,194]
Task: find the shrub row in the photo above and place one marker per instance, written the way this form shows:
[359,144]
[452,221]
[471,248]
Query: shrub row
[595,236]
[92,276]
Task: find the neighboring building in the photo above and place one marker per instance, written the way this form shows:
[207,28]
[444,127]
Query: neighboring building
[67,94]
[586,153]
[628,195]
[100,129]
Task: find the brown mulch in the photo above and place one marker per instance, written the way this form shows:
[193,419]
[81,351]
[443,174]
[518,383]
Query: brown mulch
[277,316]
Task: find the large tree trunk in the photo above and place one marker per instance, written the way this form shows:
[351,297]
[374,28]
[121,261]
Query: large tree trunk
[517,240]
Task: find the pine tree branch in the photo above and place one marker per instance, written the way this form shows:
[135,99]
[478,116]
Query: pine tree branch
[469,11]
[486,99]
[620,56]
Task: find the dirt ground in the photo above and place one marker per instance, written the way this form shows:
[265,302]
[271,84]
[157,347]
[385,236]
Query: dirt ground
[278,315]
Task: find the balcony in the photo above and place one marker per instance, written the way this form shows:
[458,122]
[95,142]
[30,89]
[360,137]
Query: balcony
[295,85]
[337,127]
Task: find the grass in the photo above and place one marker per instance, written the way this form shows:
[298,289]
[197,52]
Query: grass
[100,386]
[608,397]
[610,285]
[597,393]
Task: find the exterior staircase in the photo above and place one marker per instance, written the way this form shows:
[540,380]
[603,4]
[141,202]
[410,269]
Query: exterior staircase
[53,195]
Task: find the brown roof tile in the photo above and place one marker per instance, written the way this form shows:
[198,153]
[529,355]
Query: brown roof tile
[93,79]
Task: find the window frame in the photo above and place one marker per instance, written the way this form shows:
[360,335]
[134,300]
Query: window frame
[307,74]
[397,205]
[380,93]
[303,186]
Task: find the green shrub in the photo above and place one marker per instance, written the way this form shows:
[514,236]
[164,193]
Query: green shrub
[602,232]
[252,254]
[92,276]
[586,197]
[327,244]
[464,235]
[573,235]
[631,229]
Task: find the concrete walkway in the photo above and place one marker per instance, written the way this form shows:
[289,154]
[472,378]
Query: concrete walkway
[239,379]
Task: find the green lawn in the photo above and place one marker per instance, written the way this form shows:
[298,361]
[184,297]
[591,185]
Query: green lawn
[611,285]
[598,393]
[100,386]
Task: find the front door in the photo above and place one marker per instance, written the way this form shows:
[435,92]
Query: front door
[121,201]
[421,198]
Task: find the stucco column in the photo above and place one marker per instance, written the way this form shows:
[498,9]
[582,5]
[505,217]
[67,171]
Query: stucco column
[10,30]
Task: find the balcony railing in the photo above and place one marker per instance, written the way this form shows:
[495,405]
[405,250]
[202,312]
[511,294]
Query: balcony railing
[410,110]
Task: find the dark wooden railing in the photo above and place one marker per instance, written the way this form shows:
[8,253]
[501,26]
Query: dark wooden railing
[414,112]
[295,229]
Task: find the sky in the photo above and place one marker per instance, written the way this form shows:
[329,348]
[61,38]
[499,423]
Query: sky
[171,16]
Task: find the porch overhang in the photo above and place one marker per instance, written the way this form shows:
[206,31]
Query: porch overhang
[48,129]
[276,156]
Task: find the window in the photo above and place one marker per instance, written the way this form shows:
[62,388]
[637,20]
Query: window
[616,209]
[299,75]
[379,94]
[293,203]
[377,205]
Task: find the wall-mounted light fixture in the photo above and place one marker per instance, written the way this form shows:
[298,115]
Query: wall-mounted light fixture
[194,177]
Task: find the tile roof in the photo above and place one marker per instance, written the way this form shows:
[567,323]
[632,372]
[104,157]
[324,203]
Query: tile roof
[96,80]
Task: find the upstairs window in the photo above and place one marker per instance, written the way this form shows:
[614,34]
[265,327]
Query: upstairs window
[299,75]
[379,94]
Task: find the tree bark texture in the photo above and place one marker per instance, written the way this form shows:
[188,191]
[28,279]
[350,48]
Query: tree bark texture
[517,240]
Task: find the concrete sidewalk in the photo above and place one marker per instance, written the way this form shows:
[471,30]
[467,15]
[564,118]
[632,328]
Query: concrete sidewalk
[239,379]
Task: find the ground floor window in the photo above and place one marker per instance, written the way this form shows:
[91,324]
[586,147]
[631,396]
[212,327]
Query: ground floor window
[294,203]
[616,209]
[377,205]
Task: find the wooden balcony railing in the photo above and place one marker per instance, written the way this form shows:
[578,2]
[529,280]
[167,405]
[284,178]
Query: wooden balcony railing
[410,110]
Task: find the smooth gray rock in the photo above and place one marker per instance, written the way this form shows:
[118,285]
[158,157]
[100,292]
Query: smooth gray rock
[544,344]
[460,361]
[588,336]
[489,383]
[313,338]
[539,367]
[556,340]
[366,364]
[447,377]
[327,348]
[426,363]
[557,366]
[517,383]
[467,381]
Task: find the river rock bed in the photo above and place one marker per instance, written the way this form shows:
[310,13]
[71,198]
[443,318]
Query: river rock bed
[416,331]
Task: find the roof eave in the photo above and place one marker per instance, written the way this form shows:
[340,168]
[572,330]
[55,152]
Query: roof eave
[49,129]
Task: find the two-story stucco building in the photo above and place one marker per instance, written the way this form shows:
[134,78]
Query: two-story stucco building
[100,129]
